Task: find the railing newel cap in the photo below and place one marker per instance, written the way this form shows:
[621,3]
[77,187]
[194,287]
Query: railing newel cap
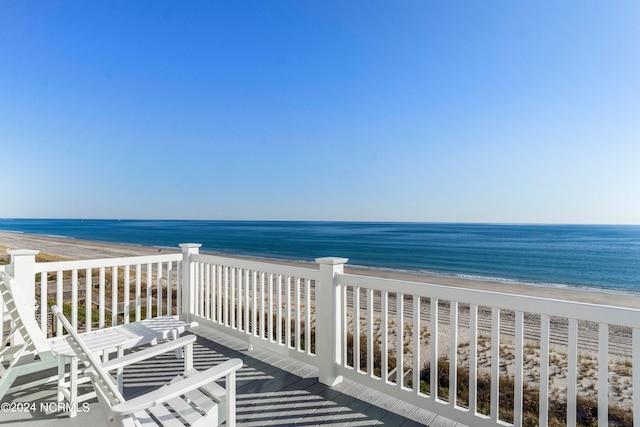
[20,252]
[190,245]
[331,260]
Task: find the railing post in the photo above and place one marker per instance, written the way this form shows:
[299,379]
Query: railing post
[188,280]
[328,320]
[23,269]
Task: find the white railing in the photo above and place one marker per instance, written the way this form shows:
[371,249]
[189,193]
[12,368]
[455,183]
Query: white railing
[268,304]
[473,356]
[107,292]
[406,307]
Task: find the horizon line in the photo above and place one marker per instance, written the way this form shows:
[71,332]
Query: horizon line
[326,221]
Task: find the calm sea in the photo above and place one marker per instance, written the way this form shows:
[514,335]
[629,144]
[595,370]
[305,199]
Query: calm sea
[602,256]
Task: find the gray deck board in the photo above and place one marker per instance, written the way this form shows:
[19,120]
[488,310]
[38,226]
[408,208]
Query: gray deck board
[272,390]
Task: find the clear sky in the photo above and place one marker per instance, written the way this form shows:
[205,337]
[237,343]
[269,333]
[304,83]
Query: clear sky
[484,111]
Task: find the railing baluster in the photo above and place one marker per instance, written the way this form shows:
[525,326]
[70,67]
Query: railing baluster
[232,299]
[344,324]
[572,375]
[207,296]
[215,290]
[298,314]
[262,297]
[603,374]
[279,309]
[59,295]
[179,286]
[44,302]
[519,369]
[495,363]
[149,311]
[114,296]
[215,280]
[433,342]
[473,358]
[160,287]
[160,283]
[74,299]
[544,370]
[101,296]
[636,375]
[356,328]
[384,336]
[198,294]
[201,289]
[227,296]
[87,299]
[239,299]
[416,344]
[270,311]
[254,306]
[170,288]
[400,339]
[453,352]
[288,317]
[126,285]
[226,320]
[138,286]
[219,287]
[307,332]
[370,336]
[247,324]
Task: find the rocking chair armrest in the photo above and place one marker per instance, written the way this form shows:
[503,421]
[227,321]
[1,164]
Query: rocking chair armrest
[177,388]
[148,353]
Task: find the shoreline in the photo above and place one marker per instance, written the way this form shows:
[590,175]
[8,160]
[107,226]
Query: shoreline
[73,248]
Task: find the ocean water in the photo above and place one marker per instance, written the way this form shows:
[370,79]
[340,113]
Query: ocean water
[584,256]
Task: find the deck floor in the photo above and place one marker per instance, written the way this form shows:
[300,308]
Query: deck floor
[272,390]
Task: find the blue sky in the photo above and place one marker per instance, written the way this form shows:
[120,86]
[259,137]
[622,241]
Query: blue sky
[321,110]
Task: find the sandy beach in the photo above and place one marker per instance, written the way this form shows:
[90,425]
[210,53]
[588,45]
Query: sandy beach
[620,375]
[88,249]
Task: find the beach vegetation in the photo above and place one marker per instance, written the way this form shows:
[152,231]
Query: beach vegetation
[82,314]
[377,358]
[5,258]
[587,408]
[622,368]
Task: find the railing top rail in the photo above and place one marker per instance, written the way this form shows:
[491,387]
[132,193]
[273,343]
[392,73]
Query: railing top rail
[105,262]
[267,267]
[530,304]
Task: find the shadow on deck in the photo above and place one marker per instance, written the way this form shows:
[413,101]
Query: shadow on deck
[272,390]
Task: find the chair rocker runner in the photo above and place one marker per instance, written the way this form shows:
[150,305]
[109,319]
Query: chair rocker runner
[191,399]
[37,353]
